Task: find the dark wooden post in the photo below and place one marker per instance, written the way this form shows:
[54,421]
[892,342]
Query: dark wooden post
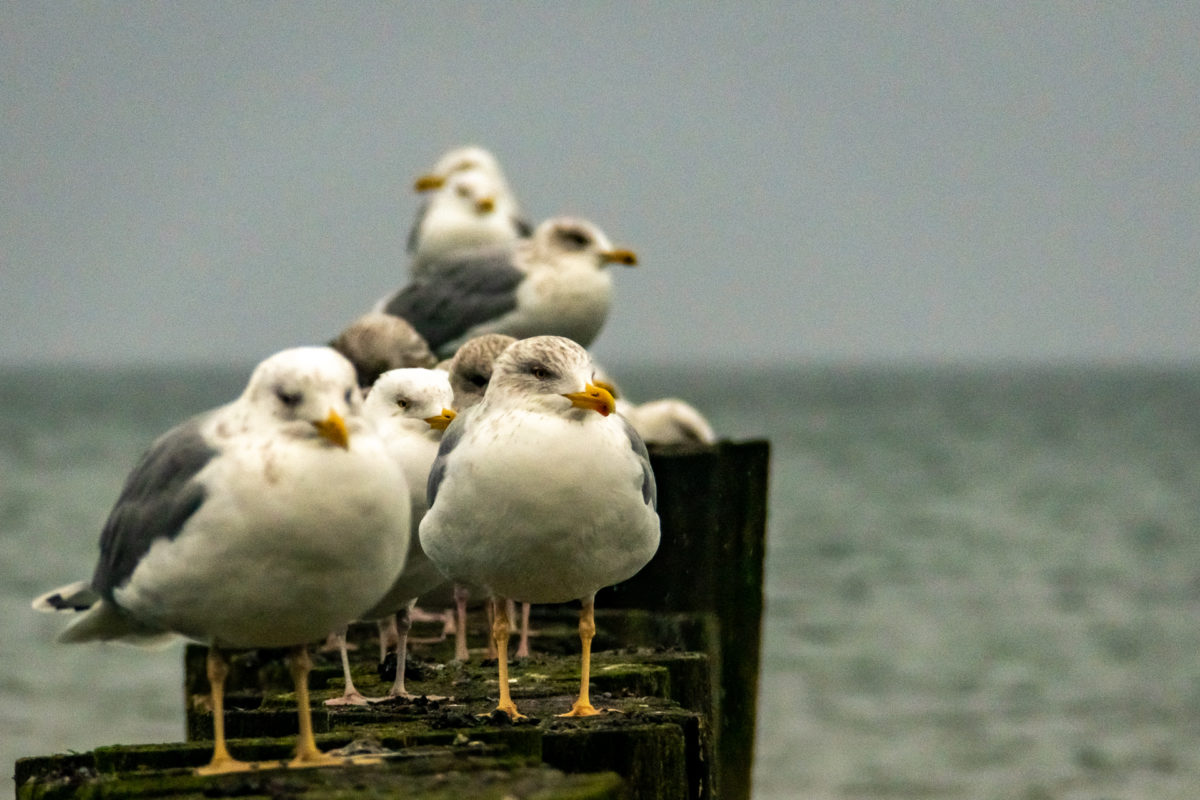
[713,506]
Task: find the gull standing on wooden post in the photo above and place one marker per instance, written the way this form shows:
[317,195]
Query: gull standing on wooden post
[541,494]
[266,522]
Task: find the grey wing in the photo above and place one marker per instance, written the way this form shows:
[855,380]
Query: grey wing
[458,293]
[437,472]
[159,497]
[649,486]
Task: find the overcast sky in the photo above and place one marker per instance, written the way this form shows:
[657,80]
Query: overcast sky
[212,182]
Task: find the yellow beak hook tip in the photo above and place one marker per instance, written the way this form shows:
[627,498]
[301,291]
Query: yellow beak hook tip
[333,430]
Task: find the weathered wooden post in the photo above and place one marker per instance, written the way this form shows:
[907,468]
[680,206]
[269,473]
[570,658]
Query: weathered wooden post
[713,506]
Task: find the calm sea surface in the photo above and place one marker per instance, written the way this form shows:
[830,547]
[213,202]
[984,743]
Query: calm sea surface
[981,583]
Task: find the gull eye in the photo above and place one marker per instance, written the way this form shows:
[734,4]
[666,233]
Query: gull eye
[401,402]
[541,373]
[575,239]
[478,379]
[463,191]
[289,399]
[349,395]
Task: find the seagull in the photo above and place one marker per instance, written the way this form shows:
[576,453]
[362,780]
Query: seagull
[665,421]
[266,522]
[470,210]
[409,409]
[377,342]
[553,283]
[470,369]
[471,158]
[542,494]
[470,372]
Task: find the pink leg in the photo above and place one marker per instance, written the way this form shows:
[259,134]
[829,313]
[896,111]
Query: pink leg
[461,595]
[403,623]
[350,695]
[523,642]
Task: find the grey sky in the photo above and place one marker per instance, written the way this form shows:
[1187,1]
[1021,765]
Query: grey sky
[850,181]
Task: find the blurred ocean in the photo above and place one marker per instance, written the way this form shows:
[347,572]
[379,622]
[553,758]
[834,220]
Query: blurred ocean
[982,583]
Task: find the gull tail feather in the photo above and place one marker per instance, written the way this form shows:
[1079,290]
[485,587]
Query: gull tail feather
[78,596]
[104,622]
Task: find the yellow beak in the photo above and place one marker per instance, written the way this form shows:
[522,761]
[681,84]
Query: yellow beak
[485,205]
[441,421]
[427,183]
[593,398]
[608,387]
[626,257]
[333,429]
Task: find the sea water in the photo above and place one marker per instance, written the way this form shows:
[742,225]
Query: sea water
[981,583]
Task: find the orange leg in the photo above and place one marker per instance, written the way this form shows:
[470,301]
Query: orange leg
[221,762]
[587,629]
[500,633]
[307,754]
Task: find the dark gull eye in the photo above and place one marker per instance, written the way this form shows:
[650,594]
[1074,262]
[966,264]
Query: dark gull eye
[541,373]
[478,379]
[575,239]
[349,394]
[401,402]
[289,399]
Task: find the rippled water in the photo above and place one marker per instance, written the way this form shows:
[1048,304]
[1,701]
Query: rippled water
[981,583]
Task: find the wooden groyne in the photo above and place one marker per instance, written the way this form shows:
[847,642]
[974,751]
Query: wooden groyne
[676,664]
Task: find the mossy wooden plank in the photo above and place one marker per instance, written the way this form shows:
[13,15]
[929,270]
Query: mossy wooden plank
[651,758]
[489,780]
[473,688]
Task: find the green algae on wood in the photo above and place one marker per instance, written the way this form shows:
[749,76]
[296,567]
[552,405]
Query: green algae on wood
[489,780]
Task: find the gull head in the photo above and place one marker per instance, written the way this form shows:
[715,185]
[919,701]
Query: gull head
[416,398]
[462,159]
[471,368]
[551,374]
[307,392]
[561,238]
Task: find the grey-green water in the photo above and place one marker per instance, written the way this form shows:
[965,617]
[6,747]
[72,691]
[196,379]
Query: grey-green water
[981,583]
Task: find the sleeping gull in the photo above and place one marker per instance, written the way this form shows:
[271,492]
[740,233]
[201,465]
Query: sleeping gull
[553,283]
[542,494]
[469,210]
[266,522]
[665,421]
[409,409]
[376,343]
[668,421]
